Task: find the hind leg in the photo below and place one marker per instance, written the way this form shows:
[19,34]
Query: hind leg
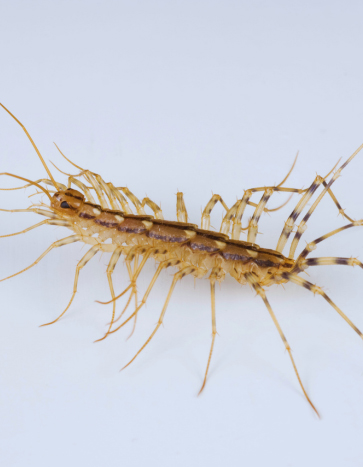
[260,291]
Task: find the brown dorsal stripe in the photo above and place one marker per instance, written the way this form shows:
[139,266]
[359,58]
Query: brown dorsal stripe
[212,235]
[133,225]
[177,225]
[167,233]
[207,244]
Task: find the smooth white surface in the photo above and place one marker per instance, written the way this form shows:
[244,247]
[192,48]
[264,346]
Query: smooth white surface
[198,97]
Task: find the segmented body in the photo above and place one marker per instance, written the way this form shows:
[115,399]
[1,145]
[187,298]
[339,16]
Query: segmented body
[110,226]
[203,250]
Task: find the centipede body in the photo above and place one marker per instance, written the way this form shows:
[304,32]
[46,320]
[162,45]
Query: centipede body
[99,215]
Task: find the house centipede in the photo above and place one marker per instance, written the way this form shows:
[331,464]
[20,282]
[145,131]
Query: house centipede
[97,212]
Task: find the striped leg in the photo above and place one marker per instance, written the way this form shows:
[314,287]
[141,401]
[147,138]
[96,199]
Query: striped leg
[253,225]
[312,245]
[315,289]
[62,242]
[237,221]
[90,254]
[179,275]
[260,291]
[181,210]
[205,223]
[217,274]
[329,261]
[302,226]
[236,212]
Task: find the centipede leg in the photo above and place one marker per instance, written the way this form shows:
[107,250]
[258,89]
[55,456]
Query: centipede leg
[303,224]
[134,293]
[179,275]
[253,225]
[58,243]
[312,245]
[181,210]
[90,253]
[154,207]
[135,201]
[216,274]
[329,261]
[110,269]
[316,289]
[58,222]
[260,291]
[205,223]
[163,265]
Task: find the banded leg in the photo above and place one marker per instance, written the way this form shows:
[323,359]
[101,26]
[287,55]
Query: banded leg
[316,289]
[154,207]
[205,223]
[236,212]
[228,217]
[90,254]
[260,291]
[289,224]
[302,226]
[253,225]
[337,204]
[329,261]
[237,221]
[179,275]
[58,222]
[58,243]
[217,274]
[312,245]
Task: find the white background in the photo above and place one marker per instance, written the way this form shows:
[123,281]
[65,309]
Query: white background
[196,96]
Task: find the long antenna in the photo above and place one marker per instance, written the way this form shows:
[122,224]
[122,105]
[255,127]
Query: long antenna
[34,146]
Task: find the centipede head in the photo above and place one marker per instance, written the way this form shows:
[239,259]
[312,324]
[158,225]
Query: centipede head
[67,202]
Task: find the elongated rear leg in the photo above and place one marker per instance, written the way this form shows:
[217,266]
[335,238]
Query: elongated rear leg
[217,274]
[312,245]
[316,289]
[179,275]
[260,291]
[90,253]
[58,243]
[302,226]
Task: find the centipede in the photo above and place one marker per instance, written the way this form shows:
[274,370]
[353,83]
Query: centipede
[99,215]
